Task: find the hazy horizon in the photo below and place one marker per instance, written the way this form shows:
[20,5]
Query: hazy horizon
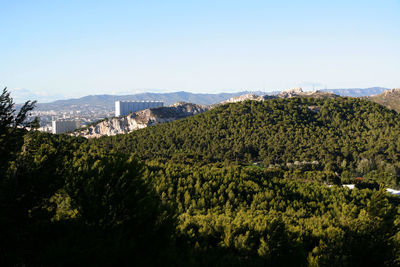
[27,95]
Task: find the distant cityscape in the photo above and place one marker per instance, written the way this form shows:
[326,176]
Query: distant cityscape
[65,121]
[84,117]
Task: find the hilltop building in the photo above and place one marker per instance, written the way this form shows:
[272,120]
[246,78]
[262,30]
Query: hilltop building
[123,108]
[62,126]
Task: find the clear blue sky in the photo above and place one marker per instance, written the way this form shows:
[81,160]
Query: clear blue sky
[75,48]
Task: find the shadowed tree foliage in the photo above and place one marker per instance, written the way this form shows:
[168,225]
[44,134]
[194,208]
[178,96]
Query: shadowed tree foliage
[60,197]
[11,126]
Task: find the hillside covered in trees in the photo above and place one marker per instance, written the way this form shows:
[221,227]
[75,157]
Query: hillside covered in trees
[245,184]
[350,136]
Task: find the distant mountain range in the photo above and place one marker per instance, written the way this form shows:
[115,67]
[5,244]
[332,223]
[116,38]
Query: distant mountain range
[357,92]
[107,101]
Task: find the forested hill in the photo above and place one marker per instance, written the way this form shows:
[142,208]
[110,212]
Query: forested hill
[347,135]
[197,199]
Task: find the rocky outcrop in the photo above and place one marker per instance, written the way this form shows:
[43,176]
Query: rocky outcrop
[390,99]
[248,97]
[391,91]
[295,92]
[140,119]
[298,92]
[241,98]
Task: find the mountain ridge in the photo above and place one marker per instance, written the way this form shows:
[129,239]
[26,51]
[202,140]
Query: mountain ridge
[357,92]
[389,98]
[107,100]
